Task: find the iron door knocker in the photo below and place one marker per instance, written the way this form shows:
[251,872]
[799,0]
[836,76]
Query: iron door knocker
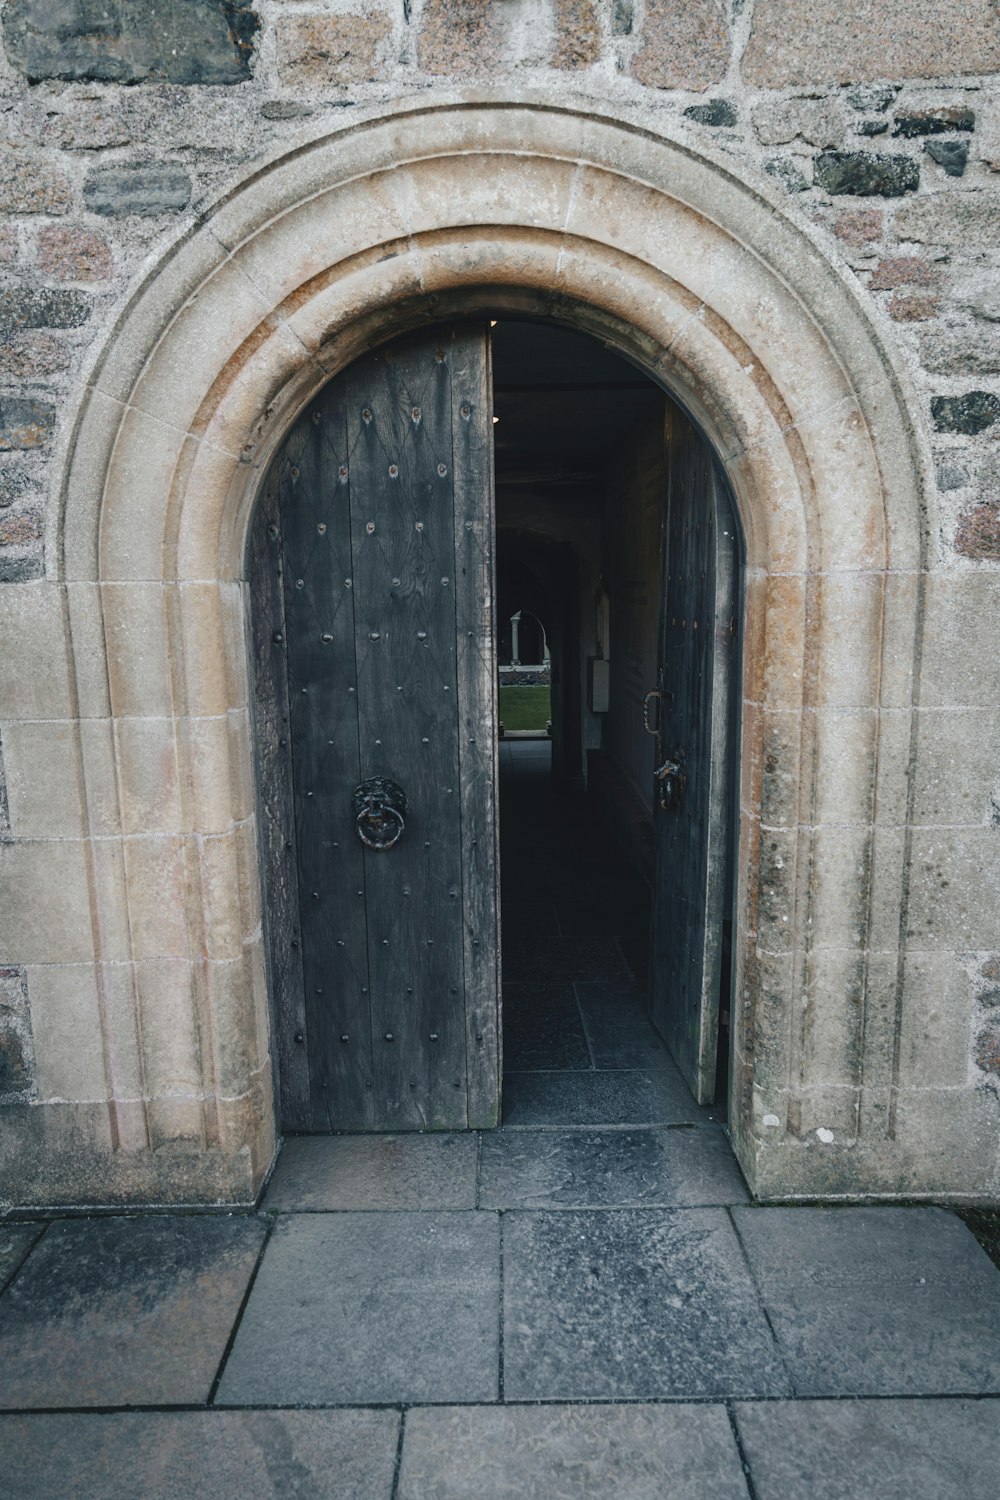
[380,812]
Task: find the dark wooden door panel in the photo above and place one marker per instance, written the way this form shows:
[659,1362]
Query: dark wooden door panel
[697,622]
[382,524]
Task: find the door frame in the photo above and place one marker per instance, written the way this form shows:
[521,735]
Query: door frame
[707,280]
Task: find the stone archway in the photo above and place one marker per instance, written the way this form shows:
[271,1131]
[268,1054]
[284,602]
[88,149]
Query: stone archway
[702,279]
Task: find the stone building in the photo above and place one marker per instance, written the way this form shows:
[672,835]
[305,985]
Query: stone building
[782,221]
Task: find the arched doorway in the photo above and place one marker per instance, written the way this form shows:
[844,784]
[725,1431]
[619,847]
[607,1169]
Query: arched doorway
[374,595]
[671,258]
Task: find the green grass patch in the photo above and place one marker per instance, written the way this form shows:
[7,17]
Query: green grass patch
[525,707]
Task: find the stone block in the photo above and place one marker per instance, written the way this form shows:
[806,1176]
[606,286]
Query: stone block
[344,1172]
[821,122]
[902,270]
[792,44]
[866,174]
[25,423]
[69,253]
[957,760]
[272,1455]
[578,35]
[914,307]
[955,874]
[44,912]
[900,1449]
[29,184]
[716,113]
[114,1312]
[145,190]
[17,1052]
[654,1168]
[43,771]
[356,1307]
[34,665]
[978,533]
[459,37]
[860,226]
[940,120]
[66,1023]
[964,220]
[47,307]
[31,356]
[631,1304]
[970,413]
[960,351]
[639,1452]
[20,527]
[330,51]
[129,41]
[876,1301]
[935,1031]
[683,47]
[951,155]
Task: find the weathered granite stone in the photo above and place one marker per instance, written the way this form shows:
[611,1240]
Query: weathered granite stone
[8,245]
[622,17]
[16,530]
[914,307]
[323,51]
[787,173]
[793,43]
[818,121]
[901,270]
[683,46]
[25,423]
[127,41]
[285,109]
[934,121]
[46,308]
[952,155]
[21,565]
[70,253]
[873,127]
[15,485]
[29,185]
[578,35]
[142,190]
[716,112]
[978,534]
[459,36]
[950,476]
[866,174]
[30,356]
[859,226]
[961,351]
[17,1057]
[979,291]
[873,97]
[947,218]
[971,413]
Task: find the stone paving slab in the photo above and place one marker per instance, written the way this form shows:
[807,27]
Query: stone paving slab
[15,1242]
[877,1301]
[328,1172]
[542,1028]
[618,1029]
[564,1452]
[267,1455]
[636,1097]
[634,1304]
[873,1450]
[116,1311]
[658,1167]
[371,1307]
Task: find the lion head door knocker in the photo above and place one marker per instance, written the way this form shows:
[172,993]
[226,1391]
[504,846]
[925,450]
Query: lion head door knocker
[380,812]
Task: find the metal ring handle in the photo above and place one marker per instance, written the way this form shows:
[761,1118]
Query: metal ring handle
[653,693]
[380,816]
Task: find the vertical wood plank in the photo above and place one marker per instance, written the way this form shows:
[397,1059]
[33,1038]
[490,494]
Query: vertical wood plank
[275,807]
[322,688]
[475,591]
[698,606]
[402,513]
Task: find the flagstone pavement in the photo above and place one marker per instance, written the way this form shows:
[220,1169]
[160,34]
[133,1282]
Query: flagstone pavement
[581,1303]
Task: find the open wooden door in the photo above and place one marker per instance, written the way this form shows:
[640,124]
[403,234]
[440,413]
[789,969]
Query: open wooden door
[371,565]
[697,649]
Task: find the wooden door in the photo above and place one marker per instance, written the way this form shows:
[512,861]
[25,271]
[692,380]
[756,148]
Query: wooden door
[697,640]
[372,578]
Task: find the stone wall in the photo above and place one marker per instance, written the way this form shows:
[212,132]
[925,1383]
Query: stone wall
[123,124]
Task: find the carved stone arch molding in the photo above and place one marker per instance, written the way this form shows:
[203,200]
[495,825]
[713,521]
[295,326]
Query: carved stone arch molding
[704,280]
